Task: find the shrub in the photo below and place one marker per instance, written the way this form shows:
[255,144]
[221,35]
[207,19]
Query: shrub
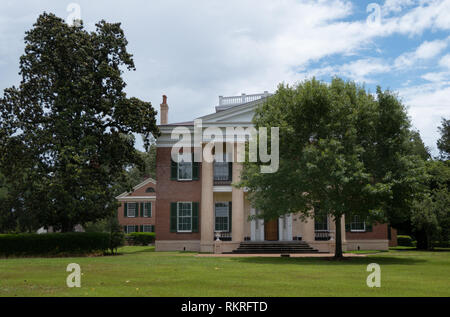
[117,239]
[54,243]
[405,241]
[141,238]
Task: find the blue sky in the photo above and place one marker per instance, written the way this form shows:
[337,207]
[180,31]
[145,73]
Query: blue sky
[193,51]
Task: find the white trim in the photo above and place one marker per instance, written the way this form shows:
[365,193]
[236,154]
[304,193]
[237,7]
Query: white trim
[145,182]
[222,189]
[152,198]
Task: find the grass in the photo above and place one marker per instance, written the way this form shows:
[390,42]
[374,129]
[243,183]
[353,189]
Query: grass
[140,271]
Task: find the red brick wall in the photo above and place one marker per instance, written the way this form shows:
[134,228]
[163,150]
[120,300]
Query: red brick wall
[169,191]
[124,221]
[380,231]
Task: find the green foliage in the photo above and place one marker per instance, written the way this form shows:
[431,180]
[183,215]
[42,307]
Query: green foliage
[71,124]
[141,238]
[443,143]
[404,241]
[53,243]
[430,216]
[340,147]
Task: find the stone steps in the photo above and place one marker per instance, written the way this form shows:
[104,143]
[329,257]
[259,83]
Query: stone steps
[267,247]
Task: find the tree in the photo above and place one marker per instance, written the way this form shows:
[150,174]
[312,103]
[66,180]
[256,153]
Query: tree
[70,122]
[443,143]
[430,216]
[342,151]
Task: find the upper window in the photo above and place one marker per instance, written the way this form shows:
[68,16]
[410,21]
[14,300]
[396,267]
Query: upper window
[148,210]
[222,170]
[184,169]
[357,224]
[131,210]
[184,217]
[150,190]
[222,215]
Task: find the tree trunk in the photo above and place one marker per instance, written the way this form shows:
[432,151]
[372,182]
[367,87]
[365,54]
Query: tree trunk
[338,238]
[422,241]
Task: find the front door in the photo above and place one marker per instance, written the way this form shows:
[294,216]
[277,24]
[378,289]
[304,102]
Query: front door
[271,230]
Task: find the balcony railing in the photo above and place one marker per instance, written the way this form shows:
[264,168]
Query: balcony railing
[324,235]
[222,173]
[222,236]
[229,101]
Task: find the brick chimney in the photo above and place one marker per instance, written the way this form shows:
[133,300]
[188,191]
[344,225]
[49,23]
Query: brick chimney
[164,110]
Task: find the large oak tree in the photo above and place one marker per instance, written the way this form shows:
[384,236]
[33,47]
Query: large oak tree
[343,151]
[66,132]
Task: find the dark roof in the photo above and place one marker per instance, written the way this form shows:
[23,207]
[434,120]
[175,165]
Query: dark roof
[186,123]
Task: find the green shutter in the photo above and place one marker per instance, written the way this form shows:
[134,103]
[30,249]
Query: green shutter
[173,217]
[369,227]
[125,210]
[230,171]
[230,214]
[142,228]
[151,209]
[125,229]
[195,217]
[195,169]
[136,228]
[173,170]
[142,209]
[347,225]
[153,228]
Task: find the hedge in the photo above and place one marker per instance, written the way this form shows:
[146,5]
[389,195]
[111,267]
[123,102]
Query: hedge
[141,238]
[405,241]
[57,243]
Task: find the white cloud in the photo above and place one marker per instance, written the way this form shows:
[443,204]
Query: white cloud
[427,50]
[445,61]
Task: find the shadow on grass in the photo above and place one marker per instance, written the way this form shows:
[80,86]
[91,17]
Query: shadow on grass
[385,260]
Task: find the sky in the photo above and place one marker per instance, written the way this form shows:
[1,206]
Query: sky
[193,51]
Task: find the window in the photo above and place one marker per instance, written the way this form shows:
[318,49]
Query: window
[150,190]
[147,228]
[131,229]
[357,224]
[184,169]
[222,213]
[148,210]
[132,210]
[321,221]
[222,170]
[184,217]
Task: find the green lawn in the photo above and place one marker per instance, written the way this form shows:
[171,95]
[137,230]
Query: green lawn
[142,272]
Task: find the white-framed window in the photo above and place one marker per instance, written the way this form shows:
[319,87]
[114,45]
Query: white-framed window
[184,169]
[357,225]
[148,210]
[132,210]
[131,229]
[184,216]
[147,228]
[222,216]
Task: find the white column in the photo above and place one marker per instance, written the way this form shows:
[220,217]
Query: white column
[207,208]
